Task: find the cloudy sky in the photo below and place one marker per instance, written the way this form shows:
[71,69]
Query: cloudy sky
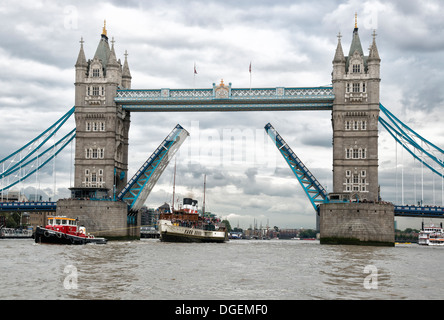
[289,43]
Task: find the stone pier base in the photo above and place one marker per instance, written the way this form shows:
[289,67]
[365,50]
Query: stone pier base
[106,219]
[357,224]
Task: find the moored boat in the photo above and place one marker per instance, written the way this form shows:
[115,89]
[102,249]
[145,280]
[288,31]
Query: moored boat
[63,230]
[431,236]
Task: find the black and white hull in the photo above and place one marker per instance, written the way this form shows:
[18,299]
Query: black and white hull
[172,233]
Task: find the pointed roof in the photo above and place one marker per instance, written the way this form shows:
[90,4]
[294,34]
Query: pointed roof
[81,59]
[126,71]
[339,55]
[356,46]
[103,51]
[112,61]
[374,54]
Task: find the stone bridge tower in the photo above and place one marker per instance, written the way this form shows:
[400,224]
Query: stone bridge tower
[101,157]
[355,116]
[356,81]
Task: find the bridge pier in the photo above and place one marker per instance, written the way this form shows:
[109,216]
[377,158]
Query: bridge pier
[357,224]
[108,219]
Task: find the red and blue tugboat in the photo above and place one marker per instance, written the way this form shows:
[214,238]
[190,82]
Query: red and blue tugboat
[63,230]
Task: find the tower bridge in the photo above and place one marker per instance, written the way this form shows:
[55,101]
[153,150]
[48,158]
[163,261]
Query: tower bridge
[104,199]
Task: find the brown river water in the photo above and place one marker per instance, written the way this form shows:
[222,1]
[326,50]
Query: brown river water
[237,270]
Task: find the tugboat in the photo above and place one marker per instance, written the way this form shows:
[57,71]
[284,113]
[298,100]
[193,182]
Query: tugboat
[63,230]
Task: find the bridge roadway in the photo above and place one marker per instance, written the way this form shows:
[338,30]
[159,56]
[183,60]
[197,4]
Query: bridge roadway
[224,98]
[400,211]
[28,206]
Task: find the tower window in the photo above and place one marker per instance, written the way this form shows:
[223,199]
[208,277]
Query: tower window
[356,68]
[95,91]
[355,154]
[96,73]
[356,87]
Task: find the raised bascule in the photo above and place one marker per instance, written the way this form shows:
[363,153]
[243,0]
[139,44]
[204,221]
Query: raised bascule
[108,203]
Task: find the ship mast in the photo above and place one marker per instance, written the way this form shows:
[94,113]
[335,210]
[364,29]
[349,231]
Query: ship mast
[174,185]
[203,205]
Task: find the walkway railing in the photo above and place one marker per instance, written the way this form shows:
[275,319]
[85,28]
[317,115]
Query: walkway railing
[225,98]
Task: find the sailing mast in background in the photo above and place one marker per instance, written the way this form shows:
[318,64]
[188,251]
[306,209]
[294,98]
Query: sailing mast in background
[174,185]
[203,204]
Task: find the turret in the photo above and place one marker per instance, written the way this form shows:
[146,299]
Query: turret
[339,70]
[126,74]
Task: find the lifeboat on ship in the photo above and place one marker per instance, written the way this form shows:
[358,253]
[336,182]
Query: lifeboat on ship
[63,230]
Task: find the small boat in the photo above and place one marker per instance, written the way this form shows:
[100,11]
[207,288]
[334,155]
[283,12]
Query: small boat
[63,230]
[431,236]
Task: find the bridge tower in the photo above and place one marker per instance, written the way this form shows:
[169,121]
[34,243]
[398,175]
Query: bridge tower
[356,81]
[363,220]
[101,157]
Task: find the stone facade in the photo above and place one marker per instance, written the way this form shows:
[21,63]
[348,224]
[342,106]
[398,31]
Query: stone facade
[362,219]
[101,157]
[356,81]
[101,218]
[357,224]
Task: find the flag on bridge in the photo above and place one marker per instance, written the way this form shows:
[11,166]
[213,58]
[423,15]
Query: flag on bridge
[195,70]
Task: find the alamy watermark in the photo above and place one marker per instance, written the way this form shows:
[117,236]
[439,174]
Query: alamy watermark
[71,20]
[230,147]
[70,281]
[371,281]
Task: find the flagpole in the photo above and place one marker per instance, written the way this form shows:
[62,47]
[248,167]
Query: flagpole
[250,77]
[194,78]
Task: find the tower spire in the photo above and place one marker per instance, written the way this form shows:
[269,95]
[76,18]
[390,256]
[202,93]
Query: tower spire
[104,32]
[356,20]
[339,55]
[81,59]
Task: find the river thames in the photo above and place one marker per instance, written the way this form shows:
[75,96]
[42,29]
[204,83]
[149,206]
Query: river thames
[237,270]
